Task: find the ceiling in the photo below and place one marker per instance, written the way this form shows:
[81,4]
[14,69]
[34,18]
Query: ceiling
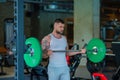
[67,5]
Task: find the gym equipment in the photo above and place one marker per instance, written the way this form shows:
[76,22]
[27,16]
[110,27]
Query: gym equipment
[95,67]
[99,50]
[39,71]
[100,76]
[75,61]
[2,59]
[33,55]
[9,32]
[116,51]
[68,59]
[116,76]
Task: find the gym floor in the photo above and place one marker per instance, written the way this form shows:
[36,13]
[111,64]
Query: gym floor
[109,70]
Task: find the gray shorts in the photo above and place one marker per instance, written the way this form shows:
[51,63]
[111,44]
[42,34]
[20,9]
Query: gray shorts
[58,73]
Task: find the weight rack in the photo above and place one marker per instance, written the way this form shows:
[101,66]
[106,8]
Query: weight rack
[19,37]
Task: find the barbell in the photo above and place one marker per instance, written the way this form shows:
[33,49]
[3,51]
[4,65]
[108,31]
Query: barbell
[95,51]
[33,54]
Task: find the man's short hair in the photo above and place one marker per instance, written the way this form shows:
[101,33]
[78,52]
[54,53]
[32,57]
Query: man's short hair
[59,21]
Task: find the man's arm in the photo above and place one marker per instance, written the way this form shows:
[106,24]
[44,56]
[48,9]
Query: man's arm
[45,46]
[74,53]
[82,51]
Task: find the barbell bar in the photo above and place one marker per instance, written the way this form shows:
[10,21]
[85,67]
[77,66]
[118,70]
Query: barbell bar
[65,50]
[70,50]
[95,51]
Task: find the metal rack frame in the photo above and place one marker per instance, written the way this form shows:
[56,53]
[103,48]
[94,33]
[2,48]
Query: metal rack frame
[19,37]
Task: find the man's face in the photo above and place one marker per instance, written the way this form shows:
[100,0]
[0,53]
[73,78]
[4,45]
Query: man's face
[59,27]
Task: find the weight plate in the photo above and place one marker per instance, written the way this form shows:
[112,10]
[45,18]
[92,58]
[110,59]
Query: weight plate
[96,50]
[33,55]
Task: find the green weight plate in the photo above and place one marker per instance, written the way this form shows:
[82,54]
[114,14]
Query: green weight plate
[35,47]
[100,50]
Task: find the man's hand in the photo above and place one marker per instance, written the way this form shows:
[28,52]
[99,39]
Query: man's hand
[49,52]
[83,51]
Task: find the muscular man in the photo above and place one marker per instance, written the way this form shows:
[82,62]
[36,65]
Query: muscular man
[57,67]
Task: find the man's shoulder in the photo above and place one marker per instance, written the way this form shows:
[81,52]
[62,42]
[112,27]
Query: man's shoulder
[47,37]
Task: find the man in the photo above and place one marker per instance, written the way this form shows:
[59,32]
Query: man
[57,67]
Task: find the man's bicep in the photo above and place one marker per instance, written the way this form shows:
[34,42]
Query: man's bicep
[45,46]
[45,43]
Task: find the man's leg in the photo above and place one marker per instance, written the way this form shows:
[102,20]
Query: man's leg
[65,74]
[52,74]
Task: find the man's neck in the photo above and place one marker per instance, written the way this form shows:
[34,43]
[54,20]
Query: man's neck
[56,35]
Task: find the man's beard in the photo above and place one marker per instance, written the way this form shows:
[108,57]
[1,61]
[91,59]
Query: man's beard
[58,32]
